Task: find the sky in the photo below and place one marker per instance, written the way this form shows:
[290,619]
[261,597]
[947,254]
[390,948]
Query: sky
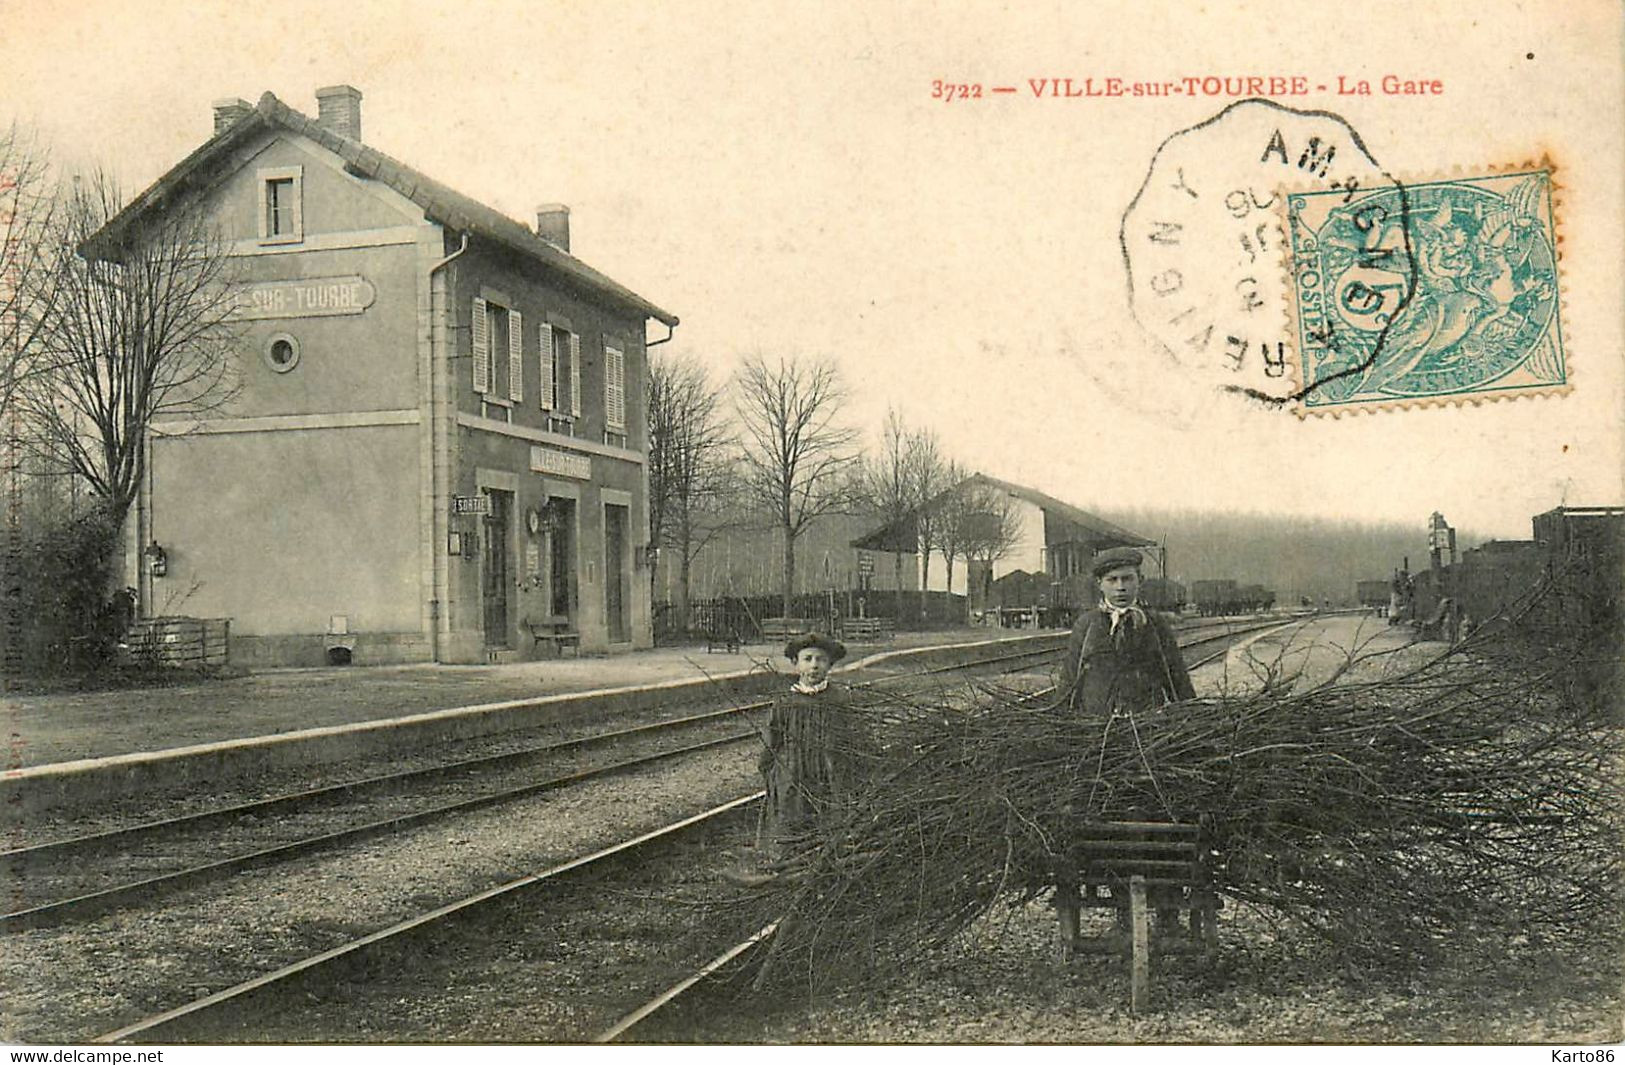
[781,177]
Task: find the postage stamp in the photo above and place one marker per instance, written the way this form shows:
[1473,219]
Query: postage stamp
[1432,293]
[1203,240]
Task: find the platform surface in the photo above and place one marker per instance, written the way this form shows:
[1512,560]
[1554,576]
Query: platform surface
[45,729]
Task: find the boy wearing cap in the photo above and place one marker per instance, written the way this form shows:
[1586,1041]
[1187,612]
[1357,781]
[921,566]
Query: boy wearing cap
[1121,657]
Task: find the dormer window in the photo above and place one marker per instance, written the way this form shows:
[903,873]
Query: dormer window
[282,215]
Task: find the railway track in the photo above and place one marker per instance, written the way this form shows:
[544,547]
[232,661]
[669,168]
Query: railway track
[88,875]
[1225,638]
[198,848]
[225,1008]
[146,890]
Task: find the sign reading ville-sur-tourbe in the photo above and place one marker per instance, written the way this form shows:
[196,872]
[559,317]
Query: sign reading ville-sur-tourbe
[306,298]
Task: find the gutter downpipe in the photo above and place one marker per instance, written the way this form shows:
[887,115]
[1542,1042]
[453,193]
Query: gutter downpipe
[671,330]
[439,426]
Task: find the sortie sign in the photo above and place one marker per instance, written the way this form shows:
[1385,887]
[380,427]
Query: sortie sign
[480,504]
[311,297]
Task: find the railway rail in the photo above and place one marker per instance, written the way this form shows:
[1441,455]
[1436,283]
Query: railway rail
[198,847]
[263,822]
[169,1024]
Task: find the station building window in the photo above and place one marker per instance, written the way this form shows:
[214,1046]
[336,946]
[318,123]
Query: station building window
[282,213]
[499,370]
[561,378]
[614,395]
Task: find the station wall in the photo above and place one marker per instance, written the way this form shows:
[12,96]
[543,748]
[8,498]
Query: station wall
[279,531]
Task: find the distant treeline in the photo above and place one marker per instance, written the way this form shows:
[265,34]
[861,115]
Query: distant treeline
[1295,557]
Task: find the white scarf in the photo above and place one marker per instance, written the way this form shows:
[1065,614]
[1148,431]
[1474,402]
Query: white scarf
[806,689]
[1117,614]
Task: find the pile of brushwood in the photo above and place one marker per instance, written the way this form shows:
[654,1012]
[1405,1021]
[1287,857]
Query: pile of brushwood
[1410,802]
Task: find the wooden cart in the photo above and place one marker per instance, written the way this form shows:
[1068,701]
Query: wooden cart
[1135,867]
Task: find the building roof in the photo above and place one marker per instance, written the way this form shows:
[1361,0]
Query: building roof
[1586,512]
[439,202]
[1097,530]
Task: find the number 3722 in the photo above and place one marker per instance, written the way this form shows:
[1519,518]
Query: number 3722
[949,91]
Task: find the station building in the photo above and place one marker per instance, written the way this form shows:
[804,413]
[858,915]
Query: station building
[437,451]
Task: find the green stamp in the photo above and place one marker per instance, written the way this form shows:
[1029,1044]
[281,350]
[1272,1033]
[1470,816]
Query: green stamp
[1426,293]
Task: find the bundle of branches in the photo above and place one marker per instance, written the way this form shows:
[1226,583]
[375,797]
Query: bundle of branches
[1387,809]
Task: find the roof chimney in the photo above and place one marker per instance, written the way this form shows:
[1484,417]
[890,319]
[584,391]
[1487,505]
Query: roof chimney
[229,111]
[338,109]
[553,224]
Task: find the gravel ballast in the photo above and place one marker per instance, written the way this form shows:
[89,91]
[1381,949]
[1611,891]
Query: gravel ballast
[68,984]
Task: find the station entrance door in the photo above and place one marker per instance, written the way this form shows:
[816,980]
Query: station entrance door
[616,522]
[496,569]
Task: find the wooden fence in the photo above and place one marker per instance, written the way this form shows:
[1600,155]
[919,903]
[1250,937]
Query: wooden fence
[744,616]
[181,642]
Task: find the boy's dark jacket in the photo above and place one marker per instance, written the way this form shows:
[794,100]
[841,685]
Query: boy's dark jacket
[1134,670]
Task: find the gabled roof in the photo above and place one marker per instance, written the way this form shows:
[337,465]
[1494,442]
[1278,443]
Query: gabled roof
[439,202]
[1097,530]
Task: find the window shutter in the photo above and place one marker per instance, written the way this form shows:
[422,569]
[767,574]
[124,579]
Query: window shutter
[546,379]
[575,376]
[614,390]
[516,356]
[480,329]
[547,385]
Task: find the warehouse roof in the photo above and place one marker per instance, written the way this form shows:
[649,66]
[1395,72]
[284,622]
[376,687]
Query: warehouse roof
[1094,529]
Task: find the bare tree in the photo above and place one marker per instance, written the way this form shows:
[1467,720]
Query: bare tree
[141,327]
[928,475]
[27,209]
[796,451]
[989,526]
[947,528]
[884,481]
[689,472]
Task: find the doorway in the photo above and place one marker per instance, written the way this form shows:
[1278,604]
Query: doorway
[616,520]
[561,524]
[496,568]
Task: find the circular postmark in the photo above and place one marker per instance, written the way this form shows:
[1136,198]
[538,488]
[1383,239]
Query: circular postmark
[1205,249]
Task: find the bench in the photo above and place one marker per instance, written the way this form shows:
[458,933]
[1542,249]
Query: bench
[553,632]
[728,641]
[1158,865]
[871,629]
[774,629]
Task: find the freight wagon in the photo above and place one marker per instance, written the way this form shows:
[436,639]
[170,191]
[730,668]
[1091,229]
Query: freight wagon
[1217,598]
[1059,601]
[1374,594]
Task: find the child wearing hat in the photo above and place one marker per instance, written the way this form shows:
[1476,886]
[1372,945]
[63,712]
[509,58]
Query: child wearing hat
[810,743]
